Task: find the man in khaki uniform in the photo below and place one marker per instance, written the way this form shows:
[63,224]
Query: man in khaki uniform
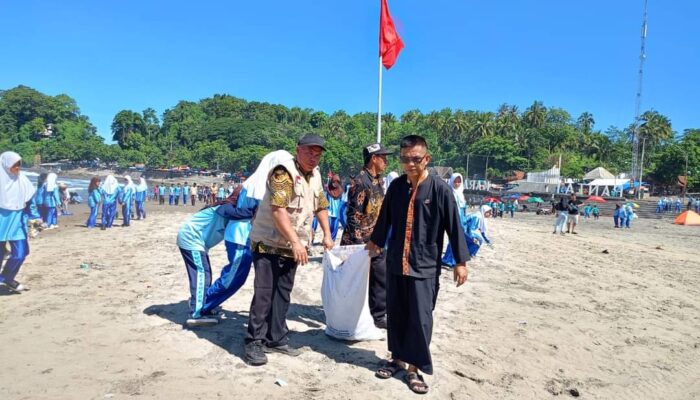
[280,240]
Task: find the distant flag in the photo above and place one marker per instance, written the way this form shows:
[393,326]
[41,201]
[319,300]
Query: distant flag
[390,43]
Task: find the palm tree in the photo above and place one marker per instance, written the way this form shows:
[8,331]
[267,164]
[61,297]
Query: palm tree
[655,128]
[484,125]
[585,122]
[535,115]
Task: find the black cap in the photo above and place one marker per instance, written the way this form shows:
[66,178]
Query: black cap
[312,140]
[374,148]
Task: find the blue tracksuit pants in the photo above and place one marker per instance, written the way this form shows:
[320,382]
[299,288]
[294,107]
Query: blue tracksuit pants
[19,250]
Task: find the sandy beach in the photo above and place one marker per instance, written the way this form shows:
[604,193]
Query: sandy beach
[606,314]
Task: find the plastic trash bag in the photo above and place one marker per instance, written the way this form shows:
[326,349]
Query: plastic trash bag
[344,294]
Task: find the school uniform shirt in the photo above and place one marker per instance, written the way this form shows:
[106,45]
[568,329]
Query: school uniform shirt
[186,191]
[206,228]
[238,231]
[52,199]
[13,223]
[161,191]
[94,198]
[140,195]
[110,198]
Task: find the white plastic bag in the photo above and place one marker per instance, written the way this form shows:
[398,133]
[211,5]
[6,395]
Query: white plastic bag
[344,294]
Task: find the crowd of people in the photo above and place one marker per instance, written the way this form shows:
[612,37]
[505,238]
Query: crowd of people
[268,224]
[675,205]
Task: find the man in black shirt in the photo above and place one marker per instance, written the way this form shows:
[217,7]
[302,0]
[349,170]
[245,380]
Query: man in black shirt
[573,208]
[419,209]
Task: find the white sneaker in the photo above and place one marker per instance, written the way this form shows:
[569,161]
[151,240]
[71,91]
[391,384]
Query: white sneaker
[201,321]
[15,286]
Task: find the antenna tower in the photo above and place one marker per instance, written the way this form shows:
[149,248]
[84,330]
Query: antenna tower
[637,167]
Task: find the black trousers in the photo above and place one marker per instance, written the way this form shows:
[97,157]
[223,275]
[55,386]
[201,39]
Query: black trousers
[410,304]
[274,280]
[377,286]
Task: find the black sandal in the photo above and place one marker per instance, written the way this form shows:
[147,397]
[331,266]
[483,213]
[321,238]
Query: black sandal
[416,383]
[387,370]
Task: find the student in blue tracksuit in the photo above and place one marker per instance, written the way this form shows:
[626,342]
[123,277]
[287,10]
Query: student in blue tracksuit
[161,194]
[202,231]
[474,234]
[220,192]
[52,199]
[458,193]
[616,216]
[39,196]
[185,193]
[240,258]
[176,194]
[16,208]
[171,194]
[140,198]
[127,200]
[94,199]
[110,192]
[336,207]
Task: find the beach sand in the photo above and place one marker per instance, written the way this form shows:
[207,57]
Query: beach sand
[606,314]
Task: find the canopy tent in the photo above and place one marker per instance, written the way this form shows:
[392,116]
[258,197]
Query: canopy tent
[596,199]
[688,218]
[535,200]
[492,200]
[598,173]
[627,185]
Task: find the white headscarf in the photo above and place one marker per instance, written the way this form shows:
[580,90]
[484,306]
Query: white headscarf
[110,184]
[459,193]
[482,217]
[15,190]
[142,186]
[129,184]
[388,179]
[256,184]
[51,182]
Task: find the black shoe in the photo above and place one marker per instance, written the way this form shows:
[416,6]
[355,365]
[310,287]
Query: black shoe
[284,349]
[254,354]
[381,323]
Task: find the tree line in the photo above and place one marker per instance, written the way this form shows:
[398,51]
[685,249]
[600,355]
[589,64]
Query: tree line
[231,134]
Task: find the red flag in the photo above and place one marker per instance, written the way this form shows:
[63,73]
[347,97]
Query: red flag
[390,43]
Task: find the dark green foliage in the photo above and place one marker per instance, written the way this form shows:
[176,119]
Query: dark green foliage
[231,134]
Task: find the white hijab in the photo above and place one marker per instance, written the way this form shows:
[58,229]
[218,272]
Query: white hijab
[482,217]
[142,186]
[129,184]
[51,182]
[110,184]
[459,193]
[256,184]
[388,179]
[15,190]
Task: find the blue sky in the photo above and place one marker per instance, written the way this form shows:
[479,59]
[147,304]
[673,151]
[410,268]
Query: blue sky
[462,54]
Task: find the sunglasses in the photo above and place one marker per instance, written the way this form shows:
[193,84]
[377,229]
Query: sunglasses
[415,160]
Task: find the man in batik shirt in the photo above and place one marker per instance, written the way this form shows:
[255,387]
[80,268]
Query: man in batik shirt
[364,202]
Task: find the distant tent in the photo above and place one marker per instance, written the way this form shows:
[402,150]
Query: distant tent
[442,172]
[688,218]
[598,173]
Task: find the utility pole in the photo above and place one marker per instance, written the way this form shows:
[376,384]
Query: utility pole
[467,172]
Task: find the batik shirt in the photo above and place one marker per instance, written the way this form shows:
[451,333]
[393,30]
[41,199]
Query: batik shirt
[365,198]
[281,188]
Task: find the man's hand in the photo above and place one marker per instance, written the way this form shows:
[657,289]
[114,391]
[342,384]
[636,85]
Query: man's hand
[460,274]
[300,254]
[373,249]
[328,242]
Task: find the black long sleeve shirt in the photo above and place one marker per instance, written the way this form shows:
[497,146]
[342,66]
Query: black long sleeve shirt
[435,212]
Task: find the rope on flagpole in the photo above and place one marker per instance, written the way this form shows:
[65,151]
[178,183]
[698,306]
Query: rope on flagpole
[379,104]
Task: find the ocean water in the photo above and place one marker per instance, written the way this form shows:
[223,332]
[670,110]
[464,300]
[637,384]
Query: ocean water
[79,186]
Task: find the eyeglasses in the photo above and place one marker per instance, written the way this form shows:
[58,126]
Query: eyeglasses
[415,160]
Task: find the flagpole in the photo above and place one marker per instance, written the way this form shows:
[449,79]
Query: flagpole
[379,104]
